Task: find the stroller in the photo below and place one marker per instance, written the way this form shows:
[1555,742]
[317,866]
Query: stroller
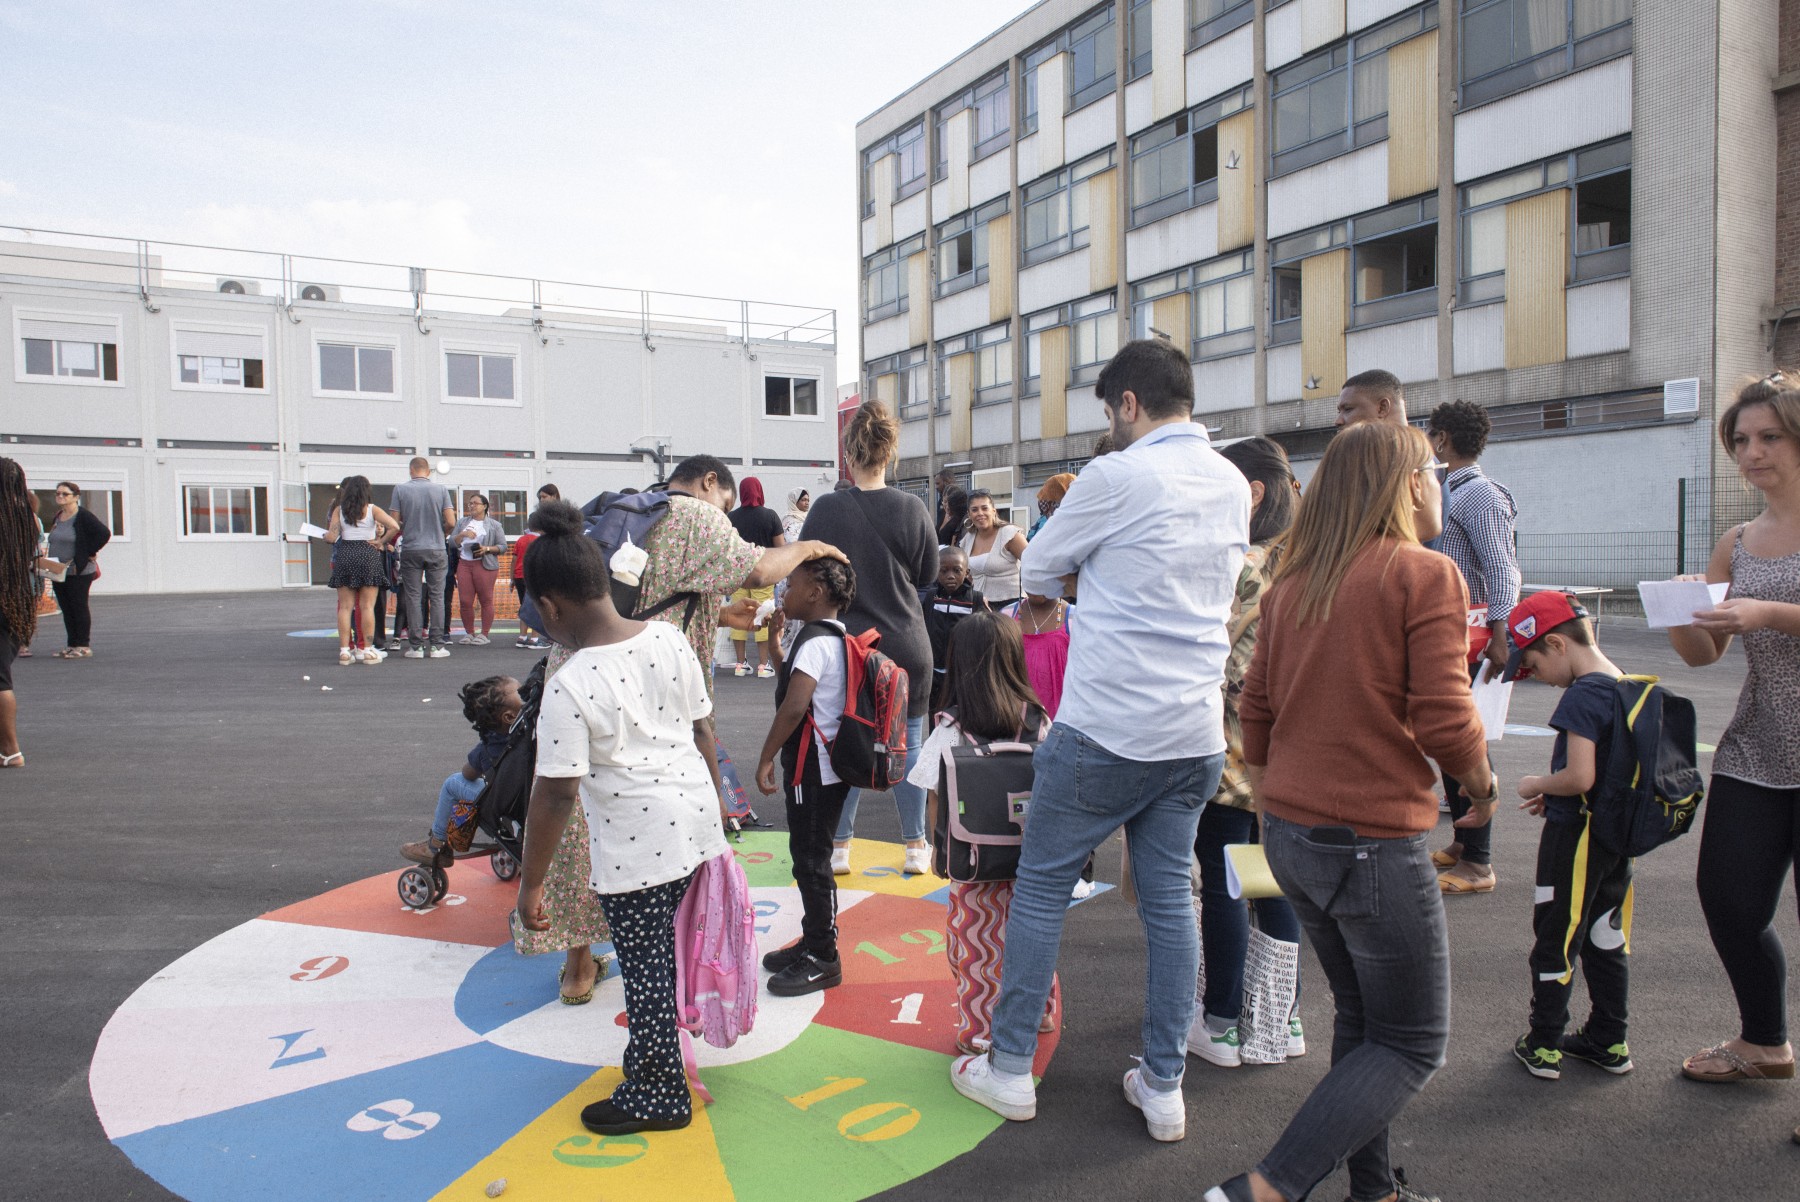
[498,811]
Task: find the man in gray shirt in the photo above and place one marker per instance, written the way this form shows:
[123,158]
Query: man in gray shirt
[426,519]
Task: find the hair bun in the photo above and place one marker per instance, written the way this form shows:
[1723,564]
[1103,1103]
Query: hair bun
[557,519]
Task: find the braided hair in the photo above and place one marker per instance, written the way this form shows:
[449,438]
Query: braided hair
[836,577]
[483,701]
[18,554]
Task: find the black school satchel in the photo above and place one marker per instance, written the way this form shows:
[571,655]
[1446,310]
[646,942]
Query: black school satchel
[984,799]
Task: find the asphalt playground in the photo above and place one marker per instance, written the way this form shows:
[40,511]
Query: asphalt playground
[205,767]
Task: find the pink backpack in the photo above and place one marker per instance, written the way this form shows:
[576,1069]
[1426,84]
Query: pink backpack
[715,960]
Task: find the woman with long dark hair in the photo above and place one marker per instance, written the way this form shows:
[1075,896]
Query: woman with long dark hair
[18,596]
[359,532]
[76,537]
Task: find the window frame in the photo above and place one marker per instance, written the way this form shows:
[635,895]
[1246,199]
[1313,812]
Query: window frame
[117,487]
[360,341]
[482,351]
[1562,171]
[100,322]
[1575,54]
[1101,308]
[904,364]
[1234,340]
[1185,128]
[895,255]
[973,222]
[518,517]
[1357,50]
[1235,15]
[1059,183]
[793,377]
[178,328]
[1284,254]
[1063,41]
[990,344]
[225,482]
[1396,306]
[909,135]
[996,83]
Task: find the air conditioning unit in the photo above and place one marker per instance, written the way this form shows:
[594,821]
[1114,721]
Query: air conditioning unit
[315,292]
[239,287]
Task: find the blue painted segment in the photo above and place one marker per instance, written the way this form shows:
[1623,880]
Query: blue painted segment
[402,1132]
[503,985]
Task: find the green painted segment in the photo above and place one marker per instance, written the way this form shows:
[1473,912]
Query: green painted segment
[858,1139]
[764,855]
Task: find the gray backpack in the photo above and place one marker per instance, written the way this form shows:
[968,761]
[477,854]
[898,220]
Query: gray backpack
[984,797]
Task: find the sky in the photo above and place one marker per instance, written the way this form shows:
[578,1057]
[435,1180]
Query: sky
[675,145]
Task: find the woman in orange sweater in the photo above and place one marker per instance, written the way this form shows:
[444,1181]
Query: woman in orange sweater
[1359,675]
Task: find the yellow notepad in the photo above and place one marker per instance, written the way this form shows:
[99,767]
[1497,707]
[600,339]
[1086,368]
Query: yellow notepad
[1247,872]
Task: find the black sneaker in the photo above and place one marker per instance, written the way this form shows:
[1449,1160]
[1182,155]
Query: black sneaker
[1615,1059]
[782,957]
[603,1118]
[1406,1193]
[1545,1063]
[809,974]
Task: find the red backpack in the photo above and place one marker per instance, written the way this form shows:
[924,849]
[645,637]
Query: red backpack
[870,749]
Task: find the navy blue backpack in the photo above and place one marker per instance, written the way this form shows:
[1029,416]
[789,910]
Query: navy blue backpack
[611,519]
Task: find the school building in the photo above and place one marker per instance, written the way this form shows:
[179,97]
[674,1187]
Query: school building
[208,401]
[1578,213]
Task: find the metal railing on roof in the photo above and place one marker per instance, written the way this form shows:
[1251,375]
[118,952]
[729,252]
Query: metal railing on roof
[296,281]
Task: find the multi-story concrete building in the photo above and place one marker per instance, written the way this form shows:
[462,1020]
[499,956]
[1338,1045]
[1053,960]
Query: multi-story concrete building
[209,401]
[1564,210]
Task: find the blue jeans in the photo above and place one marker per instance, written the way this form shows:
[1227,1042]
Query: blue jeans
[909,800]
[1375,917]
[457,787]
[1081,794]
[1225,920]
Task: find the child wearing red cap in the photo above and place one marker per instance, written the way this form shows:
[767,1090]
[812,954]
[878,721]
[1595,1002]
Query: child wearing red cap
[1583,891]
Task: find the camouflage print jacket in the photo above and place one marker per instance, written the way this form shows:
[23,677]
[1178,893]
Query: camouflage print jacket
[1246,618]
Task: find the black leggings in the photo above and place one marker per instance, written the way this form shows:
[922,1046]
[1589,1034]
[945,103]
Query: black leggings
[1751,839]
[72,599]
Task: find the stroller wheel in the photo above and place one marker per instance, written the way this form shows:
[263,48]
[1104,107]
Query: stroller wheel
[440,881]
[416,888]
[504,865]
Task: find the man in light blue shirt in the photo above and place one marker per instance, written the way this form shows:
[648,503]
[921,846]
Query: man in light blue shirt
[1156,533]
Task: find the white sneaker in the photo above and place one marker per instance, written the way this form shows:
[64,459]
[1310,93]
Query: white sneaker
[439,651]
[840,861]
[1296,1038]
[741,670]
[1221,1050]
[1082,890]
[413,653]
[1011,1096]
[479,640]
[916,863]
[1164,1113]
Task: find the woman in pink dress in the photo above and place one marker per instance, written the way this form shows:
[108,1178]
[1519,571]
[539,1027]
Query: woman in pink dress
[1043,623]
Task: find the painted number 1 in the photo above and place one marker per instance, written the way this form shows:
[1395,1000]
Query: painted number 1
[868,1124]
[909,1009]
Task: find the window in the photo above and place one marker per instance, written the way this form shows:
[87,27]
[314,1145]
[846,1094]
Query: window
[909,175]
[473,375]
[913,393]
[1601,218]
[1209,19]
[1337,99]
[1510,45]
[963,248]
[1091,72]
[991,128]
[505,505]
[1138,52]
[1056,209]
[884,279]
[1285,300]
[1394,262]
[356,370]
[230,510]
[790,396]
[106,502]
[218,358]
[993,375]
[74,351]
[1175,166]
[1093,336]
[1221,308]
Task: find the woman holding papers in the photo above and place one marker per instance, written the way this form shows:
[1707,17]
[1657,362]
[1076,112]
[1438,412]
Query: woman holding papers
[1359,675]
[76,537]
[1752,831]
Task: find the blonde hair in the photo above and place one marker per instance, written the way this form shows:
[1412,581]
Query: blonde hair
[1780,390]
[1359,496]
[872,438]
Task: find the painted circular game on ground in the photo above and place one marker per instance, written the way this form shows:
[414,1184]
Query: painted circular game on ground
[348,1047]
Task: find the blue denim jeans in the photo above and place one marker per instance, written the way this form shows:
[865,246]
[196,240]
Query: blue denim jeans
[1375,917]
[1081,794]
[1225,920]
[909,800]
[457,787]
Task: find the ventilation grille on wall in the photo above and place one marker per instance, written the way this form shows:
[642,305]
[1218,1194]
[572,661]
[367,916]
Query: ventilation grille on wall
[1681,397]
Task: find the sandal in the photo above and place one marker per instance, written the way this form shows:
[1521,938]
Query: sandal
[1449,883]
[1443,859]
[1739,1070]
[582,999]
[15,760]
[66,653]
[346,657]
[81,653]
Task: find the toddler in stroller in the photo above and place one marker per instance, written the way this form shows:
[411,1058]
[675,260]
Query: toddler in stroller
[492,705]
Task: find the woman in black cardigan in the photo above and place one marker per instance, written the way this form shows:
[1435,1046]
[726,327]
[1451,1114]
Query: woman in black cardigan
[75,539]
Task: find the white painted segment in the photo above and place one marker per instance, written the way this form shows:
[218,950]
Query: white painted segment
[989,178]
[1052,90]
[1360,14]
[909,216]
[1090,129]
[1337,188]
[913,440]
[991,425]
[1223,384]
[1168,47]
[1063,278]
[1282,372]
[1140,105]
[1187,237]
[1221,64]
[1478,338]
[1281,36]
[1027,152]
[870,233]
[1577,110]
[1406,348]
[888,336]
[1599,318]
[1321,23]
[961,312]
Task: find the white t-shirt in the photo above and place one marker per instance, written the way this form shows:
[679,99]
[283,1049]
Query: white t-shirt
[945,736]
[622,719]
[823,660]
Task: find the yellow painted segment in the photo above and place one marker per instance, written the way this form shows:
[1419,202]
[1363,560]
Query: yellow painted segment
[959,373]
[1053,400]
[1168,57]
[1324,310]
[881,184]
[918,291]
[958,135]
[1170,315]
[1052,97]
[1001,261]
[1412,68]
[1103,230]
[887,389]
[555,1158]
[1237,185]
[1537,257]
[875,868]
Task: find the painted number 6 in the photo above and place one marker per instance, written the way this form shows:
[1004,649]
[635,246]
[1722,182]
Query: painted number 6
[320,967]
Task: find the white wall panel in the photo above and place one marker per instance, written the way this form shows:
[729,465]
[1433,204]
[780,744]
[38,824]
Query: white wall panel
[1061,279]
[1172,242]
[909,217]
[1282,372]
[1576,110]
[1360,14]
[1086,413]
[1222,63]
[913,440]
[1221,384]
[1031,425]
[1027,151]
[889,335]
[869,235]
[990,177]
[1599,318]
[1479,338]
[940,203]
[1281,36]
[1406,348]
[1341,187]
[990,425]
[960,312]
[1090,129]
[1140,107]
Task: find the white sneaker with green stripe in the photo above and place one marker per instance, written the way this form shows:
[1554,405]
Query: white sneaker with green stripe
[1221,1049]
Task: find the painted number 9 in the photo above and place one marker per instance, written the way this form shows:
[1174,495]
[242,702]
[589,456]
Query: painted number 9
[320,967]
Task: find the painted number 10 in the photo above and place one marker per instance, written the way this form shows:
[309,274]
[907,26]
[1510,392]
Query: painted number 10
[868,1124]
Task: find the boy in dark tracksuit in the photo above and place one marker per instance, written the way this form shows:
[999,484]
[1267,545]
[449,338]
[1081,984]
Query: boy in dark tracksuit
[810,685]
[1583,890]
[946,603]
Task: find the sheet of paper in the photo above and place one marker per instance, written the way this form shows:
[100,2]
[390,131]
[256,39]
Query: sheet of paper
[1492,699]
[312,531]
[1247,871]
[1675,602]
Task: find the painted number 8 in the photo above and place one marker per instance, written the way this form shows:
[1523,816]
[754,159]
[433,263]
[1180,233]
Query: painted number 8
[868,1124]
